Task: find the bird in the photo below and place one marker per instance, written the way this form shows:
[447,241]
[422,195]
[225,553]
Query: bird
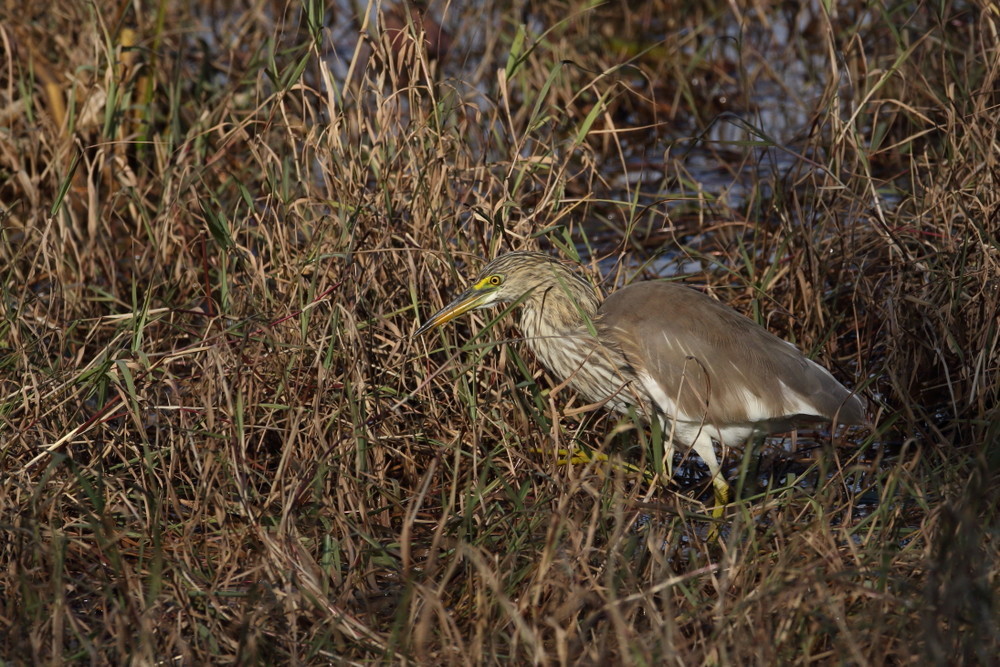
[671,352]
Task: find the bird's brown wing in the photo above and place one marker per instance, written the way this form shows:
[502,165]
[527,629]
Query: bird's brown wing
[716,365]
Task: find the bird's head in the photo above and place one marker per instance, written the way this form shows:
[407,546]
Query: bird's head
[506,279]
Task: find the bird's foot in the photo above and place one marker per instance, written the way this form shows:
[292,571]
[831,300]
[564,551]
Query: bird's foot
[583,456]
[575,456]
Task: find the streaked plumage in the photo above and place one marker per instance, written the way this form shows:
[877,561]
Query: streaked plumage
[706,371]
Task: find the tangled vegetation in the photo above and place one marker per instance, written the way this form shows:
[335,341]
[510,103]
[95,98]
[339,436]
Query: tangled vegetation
[220,223]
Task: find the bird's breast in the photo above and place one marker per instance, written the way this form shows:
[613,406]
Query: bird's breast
[600,374]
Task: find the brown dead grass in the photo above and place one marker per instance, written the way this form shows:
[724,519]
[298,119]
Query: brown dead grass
[220,226]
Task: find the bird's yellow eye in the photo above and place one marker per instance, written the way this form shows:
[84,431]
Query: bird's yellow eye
[495,280]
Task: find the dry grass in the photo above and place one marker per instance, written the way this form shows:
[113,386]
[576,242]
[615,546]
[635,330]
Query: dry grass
[221,224]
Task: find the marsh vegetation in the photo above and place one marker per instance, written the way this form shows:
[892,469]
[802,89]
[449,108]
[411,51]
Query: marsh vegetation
[221,223]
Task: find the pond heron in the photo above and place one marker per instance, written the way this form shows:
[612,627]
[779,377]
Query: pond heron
[677,355]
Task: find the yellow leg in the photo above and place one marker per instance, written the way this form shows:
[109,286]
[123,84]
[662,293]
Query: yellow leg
[721,496]
[578,456]
[706,450]
[574,456]
[721,492]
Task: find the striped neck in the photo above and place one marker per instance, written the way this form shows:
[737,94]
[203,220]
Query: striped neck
[562,305]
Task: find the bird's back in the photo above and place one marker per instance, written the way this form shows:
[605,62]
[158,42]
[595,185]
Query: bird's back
[702,362]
